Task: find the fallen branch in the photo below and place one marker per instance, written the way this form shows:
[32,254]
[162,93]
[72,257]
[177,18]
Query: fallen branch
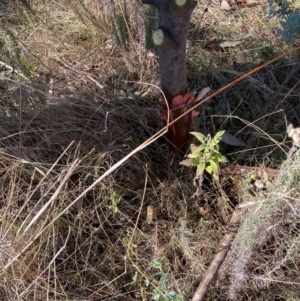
[219,258]
[13,70]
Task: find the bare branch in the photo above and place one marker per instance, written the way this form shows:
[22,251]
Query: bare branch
[13,70]
[219,258]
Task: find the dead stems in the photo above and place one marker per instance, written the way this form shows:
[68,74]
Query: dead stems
[219,258]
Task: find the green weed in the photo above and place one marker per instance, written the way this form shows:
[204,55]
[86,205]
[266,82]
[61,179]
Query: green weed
[206,156]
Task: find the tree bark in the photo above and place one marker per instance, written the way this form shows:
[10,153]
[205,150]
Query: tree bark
[174,21]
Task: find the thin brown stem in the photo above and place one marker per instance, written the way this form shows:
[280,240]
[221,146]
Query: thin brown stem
[219,258]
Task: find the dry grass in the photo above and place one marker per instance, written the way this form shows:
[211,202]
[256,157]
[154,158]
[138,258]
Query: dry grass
[263,259]
[84,107]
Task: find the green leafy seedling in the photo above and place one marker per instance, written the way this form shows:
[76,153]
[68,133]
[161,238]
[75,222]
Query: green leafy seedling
[115,200]
[164,291]
[206,156]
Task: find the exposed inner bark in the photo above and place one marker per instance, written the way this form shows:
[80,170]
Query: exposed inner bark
[174,21]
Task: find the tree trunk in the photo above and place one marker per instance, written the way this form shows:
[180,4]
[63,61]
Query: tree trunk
[170,38]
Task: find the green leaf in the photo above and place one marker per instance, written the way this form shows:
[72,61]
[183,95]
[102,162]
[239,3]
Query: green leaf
[214,166]
[209,169]
[200,148]
[200,168]
[199,136]
[193,155]
[158,263]
[193,148]
[219,134]
[208,154]
[209,149]
[223,159]
[217,153]
[187,162]
[220,158]
[197,149]
[214,143]
[171,294]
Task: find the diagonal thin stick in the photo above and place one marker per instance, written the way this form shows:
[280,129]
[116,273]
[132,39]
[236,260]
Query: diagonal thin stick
[219,258]
[55,194]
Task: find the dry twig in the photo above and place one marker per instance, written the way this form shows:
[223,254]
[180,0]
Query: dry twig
[219,258]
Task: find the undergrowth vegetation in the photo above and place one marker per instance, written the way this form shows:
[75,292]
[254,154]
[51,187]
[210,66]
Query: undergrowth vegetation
[79,91]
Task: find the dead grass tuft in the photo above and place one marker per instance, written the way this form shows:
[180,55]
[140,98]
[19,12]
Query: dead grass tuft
[263,257]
